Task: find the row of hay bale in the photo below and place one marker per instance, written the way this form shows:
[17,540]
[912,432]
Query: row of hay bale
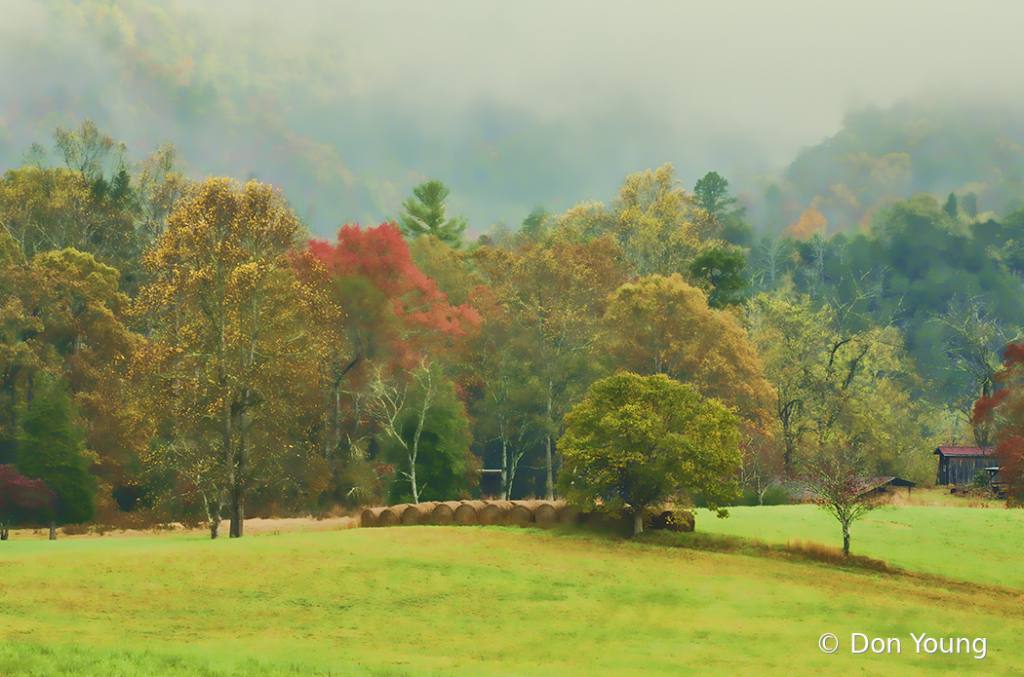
[468,513]
[514,513]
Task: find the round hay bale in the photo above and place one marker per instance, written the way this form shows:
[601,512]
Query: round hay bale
[546,514]
[369,517]
[468,513]
[418,513]
[495,512]
[673,520]
[443,514]
[391,516]
[567,515]
[522,512]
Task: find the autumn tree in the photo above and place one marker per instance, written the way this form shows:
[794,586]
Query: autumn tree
[20,497]
[425,214]
[380,318]
[555,294]
[828,379]
[835,481]
[662,325]
[652,220]
[223,309]
[1004,411]
[635,441]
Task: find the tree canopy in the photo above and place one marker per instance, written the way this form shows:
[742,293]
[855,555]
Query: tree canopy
[635,441]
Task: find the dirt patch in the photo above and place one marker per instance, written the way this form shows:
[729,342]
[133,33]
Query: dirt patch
[253,527]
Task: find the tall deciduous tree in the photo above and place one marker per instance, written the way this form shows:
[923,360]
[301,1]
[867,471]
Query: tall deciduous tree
[662,325]
[638,440]
[223,306]
[556,294]
[425,214]
[1004,411]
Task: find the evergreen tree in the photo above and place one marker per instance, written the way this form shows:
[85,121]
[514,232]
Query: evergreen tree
[425,214]
[50,448]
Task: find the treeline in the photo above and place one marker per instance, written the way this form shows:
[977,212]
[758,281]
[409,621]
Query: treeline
[186,351]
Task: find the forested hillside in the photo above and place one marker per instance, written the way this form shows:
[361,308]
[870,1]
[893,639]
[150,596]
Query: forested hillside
[195,326]
[208,358]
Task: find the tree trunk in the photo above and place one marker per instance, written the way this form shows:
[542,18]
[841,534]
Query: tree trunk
[237,513]
[4,533]
[549,481]
[846,540]
[638,521]
[53,530]
[214,529]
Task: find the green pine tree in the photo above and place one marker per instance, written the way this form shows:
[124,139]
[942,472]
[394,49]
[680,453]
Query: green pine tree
[425,215]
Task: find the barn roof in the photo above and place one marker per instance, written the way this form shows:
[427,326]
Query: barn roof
[964,451]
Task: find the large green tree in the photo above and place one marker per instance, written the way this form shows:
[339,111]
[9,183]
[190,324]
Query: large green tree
[51,448]
[638,440]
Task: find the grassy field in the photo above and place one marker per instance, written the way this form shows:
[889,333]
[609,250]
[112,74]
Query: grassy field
[982,545]
[472,601]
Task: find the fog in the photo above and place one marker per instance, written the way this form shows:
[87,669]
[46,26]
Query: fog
[347,105]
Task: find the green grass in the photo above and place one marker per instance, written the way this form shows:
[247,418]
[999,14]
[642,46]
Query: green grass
[981,545]
[466,601]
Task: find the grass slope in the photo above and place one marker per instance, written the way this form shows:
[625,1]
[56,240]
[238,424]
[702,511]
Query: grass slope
[466,601]
[980,545]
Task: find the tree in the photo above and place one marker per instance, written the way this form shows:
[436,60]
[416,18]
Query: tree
[1004,411]
[836,485]
[652,220]
[711,193]
[662,325]
[556,295]
[951,206]
[20,497]
[635,441]
[379,318]
[50,448]
[720,273]
[427,435]
[224,310]
[425,214]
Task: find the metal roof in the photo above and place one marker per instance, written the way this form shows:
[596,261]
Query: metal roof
[964,451]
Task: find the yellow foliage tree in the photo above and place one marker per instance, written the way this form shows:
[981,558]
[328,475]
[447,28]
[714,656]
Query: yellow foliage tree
[662,325]
[222,308]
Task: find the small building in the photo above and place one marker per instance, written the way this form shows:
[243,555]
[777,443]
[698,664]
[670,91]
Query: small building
[959,465]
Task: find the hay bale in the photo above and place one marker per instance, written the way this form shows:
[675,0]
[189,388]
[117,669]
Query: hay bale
[392,516]
[522,512]
[495,512]
[418,513]
[369,517]
[568,515]
[468,513]
[443,514]
[546,513]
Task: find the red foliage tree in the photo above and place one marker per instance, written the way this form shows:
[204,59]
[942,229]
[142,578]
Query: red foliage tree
[20,497]
[1005,411]
[376,312]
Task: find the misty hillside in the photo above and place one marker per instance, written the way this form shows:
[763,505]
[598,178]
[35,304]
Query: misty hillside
[346,132]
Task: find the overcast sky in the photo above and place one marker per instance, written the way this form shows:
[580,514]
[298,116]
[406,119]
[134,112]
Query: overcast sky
[739,87]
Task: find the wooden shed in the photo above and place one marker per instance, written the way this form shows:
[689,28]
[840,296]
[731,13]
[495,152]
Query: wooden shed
[959,465]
